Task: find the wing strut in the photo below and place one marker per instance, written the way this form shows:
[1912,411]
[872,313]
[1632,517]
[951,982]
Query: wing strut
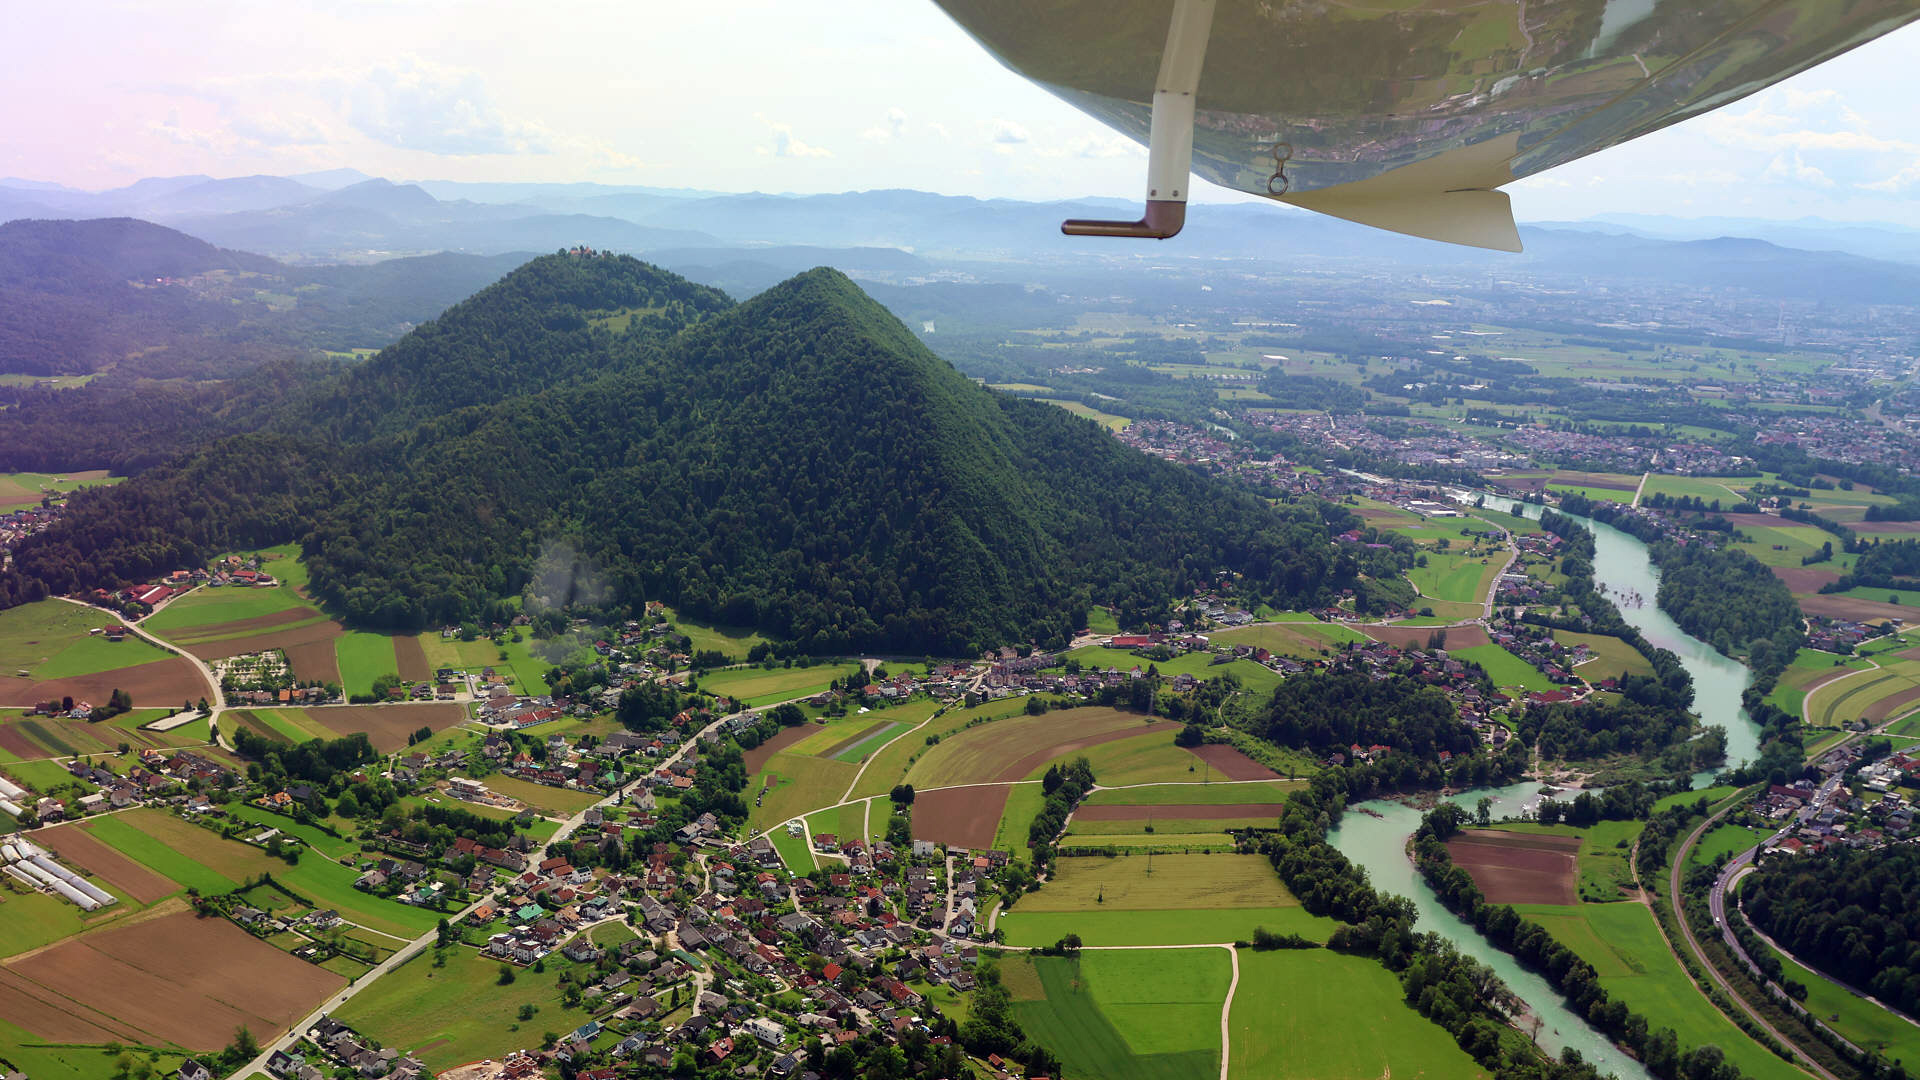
[1170,141]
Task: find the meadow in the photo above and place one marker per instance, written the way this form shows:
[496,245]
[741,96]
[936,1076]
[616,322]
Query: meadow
[1134,900]
[364,657]
[49,640]
[1310,1014]
[1019,747]
[1612,657]
[754,686]
[460,1013]
[1120,1015]
[1504,668]
[1624,945]
[1297,639]
[1216,794]
[1724,841]
[1456,577]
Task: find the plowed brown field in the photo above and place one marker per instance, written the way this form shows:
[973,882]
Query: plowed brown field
[78,849]
[387,726]
[162,682]
[963,817]
[1518,868]
[178,979]
[1231,763]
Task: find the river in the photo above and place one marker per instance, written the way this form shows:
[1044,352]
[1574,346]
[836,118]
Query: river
[1624,565]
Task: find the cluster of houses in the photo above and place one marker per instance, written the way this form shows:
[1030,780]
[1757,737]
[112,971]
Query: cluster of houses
[158,777]
[333,1045]
[1866,813]
[1840,636]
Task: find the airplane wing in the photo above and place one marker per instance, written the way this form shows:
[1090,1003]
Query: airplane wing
[1407,115]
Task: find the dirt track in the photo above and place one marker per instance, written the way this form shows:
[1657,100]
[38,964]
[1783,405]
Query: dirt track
[1517,868]
[1231,763]
[963,817]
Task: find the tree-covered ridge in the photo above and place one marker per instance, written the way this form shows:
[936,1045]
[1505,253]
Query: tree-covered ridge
[532,330]
[800,463]
[1851,913]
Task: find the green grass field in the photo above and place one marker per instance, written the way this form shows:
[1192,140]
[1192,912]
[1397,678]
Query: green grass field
[460,1013]
[1113,423]
[1612,657]
[1216,794]
[1295,639]
[1597,494]
[1024,802]
[1725,840]
[208,607]
[1309,1014]
[1862,1022]
[1456,577]
[793,850]
[364,657]
[200,858]
[755,686]
[36,919]
[1125,1015]
[1124,901]
[1728,490]
[1836,703]
[49,640]
[732,642]
[1141,759]
[550,800]
[1712,795]
[889,765]
[1168,827]
[797,785]
[1624,945]
[1504,668]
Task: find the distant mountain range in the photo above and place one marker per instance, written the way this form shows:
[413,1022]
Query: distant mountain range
[752,240]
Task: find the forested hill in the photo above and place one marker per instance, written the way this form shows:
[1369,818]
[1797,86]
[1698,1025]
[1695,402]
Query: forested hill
[799,462]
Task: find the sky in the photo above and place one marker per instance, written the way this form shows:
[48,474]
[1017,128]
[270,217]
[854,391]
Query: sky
[790,96]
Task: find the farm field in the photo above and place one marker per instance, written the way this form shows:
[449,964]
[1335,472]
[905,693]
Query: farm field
[201,858]
[203,610]
[971,817]
[460,1013]
[1214,794]
[1024,802]
[1870,695]
[49,640]
[27,489]
[1122,1015]
[1456,577]
[889,765]
[1729,491]
[127,984]
[1809,669]
[1124,901]
[1601,859]
[362,658]
[761,686]
[1139,759]
[29,738]
[1516,868]
[1019,747]
[796,784]
[1295,638]
[1139,843]
[1624,945]
[513,660]
[1612,657]
[1712,795]
[1294,1018]
[1504,668]
[1112,422]
[550,800]
[1121,820]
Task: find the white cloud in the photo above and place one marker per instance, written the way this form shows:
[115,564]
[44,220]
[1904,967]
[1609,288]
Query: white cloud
[1901,181]
[1790,169]
[892,128]
[1006,132]
[786,144]
[417,105]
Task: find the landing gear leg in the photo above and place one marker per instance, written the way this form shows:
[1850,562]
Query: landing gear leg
[1170,141]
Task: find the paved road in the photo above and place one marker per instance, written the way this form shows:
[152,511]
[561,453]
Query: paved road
[1717,904]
